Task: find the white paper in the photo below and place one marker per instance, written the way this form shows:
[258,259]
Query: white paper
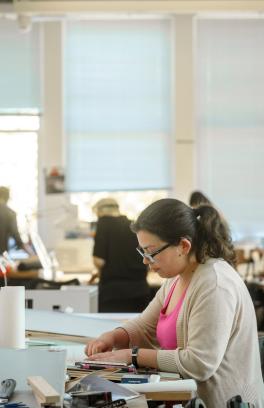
[12,316]
[179,385]
[75,352]
[67,323]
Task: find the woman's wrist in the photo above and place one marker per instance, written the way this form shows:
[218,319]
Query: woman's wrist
[134,356]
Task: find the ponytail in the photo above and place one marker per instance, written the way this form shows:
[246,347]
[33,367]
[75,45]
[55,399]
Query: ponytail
[212,238]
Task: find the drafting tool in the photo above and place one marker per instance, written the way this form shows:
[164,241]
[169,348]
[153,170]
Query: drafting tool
[105,363]
[93,365]
[13,405]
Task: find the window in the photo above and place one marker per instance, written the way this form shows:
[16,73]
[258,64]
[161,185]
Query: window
[117,109]
[20,66]
[130,203]
[230,58]
[19,117]
[18,165]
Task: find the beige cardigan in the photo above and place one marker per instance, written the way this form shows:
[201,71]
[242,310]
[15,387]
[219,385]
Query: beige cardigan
[216,336]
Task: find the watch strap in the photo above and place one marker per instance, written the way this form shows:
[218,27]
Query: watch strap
[134,355]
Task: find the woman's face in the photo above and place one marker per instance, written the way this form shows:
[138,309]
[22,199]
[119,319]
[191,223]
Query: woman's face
[170,262]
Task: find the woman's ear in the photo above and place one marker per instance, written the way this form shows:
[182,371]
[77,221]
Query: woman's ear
[185,246]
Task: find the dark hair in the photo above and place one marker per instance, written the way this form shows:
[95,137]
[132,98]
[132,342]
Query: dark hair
[171,220]
[4,193]
[197,198]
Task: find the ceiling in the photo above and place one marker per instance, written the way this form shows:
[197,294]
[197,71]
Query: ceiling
[53,7]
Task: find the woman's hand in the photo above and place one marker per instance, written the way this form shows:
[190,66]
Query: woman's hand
[123,356]
[104,343]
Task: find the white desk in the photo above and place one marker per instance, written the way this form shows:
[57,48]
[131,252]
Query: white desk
[68,323]
[72,330]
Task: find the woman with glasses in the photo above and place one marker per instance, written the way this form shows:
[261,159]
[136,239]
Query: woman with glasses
[201,323]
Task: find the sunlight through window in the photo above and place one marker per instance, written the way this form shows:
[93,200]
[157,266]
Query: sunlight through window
[18,164]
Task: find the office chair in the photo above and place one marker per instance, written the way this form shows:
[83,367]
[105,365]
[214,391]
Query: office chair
[261,349]
[236,402]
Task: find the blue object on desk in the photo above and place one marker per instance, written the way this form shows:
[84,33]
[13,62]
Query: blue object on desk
[14,405]
[135,379]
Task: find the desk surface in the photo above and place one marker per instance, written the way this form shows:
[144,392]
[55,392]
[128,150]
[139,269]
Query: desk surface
[68,323]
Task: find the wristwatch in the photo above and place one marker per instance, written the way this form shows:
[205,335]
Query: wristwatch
[134,355]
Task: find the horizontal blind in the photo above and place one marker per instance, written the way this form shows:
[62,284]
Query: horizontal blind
[230,57]
[117,105]
[19,67]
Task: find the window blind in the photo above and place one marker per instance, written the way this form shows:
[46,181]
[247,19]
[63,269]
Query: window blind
[230,103]
[19,68]
[117,105]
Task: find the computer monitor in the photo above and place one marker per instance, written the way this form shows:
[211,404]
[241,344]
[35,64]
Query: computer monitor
[49,269]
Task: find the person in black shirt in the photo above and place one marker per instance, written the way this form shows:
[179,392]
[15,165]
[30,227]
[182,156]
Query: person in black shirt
[122,286]
[8,225]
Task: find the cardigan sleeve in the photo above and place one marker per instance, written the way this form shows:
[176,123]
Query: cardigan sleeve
[210,322]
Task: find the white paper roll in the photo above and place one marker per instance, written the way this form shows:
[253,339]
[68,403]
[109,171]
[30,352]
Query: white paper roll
[12,316]
[179,385]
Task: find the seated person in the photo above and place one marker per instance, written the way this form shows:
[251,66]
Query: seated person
[201,323]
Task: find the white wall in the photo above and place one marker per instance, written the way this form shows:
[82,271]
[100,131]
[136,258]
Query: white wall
[51,138]
[183,118]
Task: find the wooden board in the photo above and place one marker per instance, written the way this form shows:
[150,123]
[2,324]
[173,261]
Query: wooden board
[43,390]
[169,396]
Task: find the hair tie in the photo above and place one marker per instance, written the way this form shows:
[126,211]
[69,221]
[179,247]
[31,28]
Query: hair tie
[196,212]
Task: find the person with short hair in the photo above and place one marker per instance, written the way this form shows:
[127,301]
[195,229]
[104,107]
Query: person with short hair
[8,224]
[201,323]
[123,285]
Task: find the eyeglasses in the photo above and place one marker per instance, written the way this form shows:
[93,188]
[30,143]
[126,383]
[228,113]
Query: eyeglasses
[150,256]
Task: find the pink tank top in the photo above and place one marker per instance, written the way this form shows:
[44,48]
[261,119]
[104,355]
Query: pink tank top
[166,327]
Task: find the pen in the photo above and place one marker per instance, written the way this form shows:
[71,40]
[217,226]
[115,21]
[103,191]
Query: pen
[15,404]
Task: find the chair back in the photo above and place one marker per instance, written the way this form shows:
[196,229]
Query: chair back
[261,349]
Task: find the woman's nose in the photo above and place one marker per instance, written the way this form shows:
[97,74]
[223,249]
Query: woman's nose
[147,261]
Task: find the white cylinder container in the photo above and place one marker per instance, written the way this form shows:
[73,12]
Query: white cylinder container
[12,317]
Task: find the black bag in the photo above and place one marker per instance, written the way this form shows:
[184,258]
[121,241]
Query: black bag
[256,292]
[236,402]
[261,350]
